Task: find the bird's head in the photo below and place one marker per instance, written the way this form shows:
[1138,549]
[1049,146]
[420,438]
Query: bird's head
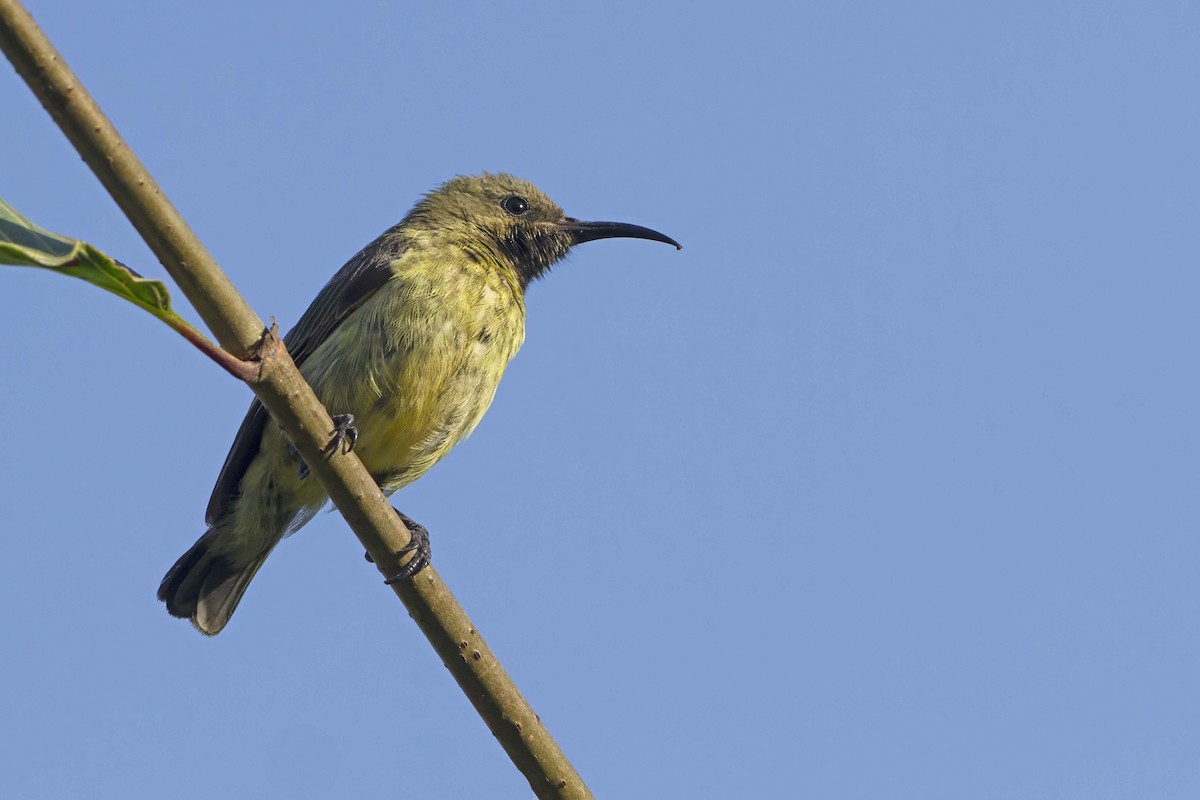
[498,217]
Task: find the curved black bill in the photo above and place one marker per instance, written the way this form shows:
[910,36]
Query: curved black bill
[591,231]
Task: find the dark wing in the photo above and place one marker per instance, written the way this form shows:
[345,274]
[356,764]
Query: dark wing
[360,278]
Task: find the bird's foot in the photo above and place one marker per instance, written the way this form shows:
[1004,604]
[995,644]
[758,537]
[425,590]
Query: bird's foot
[344,435]
[418,545]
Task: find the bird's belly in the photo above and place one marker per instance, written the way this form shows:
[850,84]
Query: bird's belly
[419,369]
[405,434]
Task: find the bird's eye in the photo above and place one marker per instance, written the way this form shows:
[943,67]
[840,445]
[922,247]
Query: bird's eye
[514,205]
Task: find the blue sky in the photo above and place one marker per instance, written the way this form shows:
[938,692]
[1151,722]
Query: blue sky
[884,486]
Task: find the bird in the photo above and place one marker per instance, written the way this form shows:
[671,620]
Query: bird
[406,346]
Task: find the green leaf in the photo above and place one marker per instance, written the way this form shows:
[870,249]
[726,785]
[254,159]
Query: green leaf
[23,243]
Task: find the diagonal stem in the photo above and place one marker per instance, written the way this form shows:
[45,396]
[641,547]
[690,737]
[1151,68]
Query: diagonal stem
[290,401]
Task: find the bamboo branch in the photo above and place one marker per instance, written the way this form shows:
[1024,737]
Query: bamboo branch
[290,401]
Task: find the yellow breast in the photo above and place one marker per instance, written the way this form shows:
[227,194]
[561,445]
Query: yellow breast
[426,353]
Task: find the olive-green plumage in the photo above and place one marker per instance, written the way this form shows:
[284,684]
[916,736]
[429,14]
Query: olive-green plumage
[411,337]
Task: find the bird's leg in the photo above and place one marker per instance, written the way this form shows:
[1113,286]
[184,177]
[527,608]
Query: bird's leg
[418,545]
[344,435]
[419,542]
[343,438]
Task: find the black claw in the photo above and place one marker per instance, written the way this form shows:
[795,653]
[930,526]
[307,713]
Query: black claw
[418,545]
[367,556]
[344,435]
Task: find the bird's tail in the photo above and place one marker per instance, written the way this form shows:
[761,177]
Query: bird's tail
[206,584]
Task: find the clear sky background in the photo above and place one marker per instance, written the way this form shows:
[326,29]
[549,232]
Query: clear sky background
[885,486]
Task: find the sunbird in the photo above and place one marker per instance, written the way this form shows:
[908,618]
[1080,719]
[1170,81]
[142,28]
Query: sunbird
[405,346]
